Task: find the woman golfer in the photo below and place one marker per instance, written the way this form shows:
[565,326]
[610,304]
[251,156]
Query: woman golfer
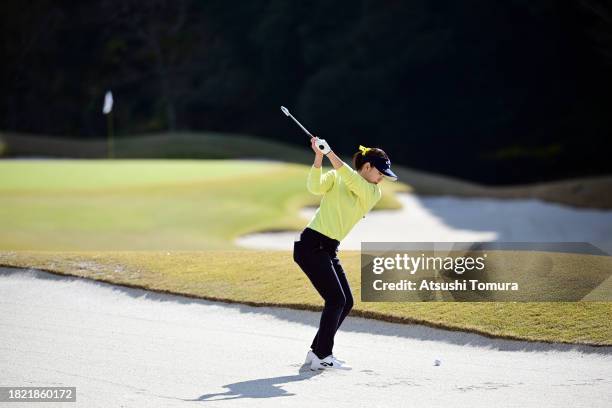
[347,196]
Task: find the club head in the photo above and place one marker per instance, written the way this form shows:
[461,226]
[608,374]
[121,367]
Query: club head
[285,110]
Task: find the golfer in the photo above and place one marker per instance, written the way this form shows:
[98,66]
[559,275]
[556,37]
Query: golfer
[347,196]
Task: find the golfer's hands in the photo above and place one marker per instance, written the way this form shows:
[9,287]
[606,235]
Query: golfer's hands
[319,146]
[314,148]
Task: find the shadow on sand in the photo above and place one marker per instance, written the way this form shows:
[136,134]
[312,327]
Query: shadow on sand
[260,388]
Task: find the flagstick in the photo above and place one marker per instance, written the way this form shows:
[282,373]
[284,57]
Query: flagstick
[107,109]
[110,135]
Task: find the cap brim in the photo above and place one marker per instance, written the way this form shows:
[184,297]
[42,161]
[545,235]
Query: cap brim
[383,165]
[389,175]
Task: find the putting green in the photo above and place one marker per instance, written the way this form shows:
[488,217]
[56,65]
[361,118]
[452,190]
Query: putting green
[149,204]
[92,175]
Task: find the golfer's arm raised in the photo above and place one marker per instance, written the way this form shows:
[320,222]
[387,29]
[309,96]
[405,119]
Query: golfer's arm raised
[352,179]
[334,160]
[318,160]
[318,183]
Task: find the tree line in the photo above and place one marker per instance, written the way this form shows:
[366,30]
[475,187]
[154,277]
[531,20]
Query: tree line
[496,92]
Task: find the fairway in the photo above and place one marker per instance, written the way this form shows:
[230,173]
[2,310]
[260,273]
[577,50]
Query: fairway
[149,204]
[96,175]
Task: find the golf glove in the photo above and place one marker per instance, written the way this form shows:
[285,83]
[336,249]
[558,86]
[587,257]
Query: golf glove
[323,146]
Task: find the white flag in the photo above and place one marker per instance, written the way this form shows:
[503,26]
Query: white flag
[108,103]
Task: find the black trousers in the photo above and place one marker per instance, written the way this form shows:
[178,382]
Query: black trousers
[316,254]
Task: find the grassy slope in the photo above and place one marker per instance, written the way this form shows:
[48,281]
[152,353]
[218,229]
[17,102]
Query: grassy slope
[271,278]
[205,145]
[594,192]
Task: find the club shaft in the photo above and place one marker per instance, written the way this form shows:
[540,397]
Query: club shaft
[300,125]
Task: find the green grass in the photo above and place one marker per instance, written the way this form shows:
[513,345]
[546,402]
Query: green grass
[150,204]
[590,192]
[271,278]
[98,175]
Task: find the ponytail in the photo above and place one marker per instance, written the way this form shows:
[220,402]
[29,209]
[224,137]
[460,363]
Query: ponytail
[361,157]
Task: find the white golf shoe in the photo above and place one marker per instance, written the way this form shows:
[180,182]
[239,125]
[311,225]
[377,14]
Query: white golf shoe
[311,355]
[326,363]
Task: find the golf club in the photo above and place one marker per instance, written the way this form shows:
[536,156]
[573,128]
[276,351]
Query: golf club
[286,112]
[321,143]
